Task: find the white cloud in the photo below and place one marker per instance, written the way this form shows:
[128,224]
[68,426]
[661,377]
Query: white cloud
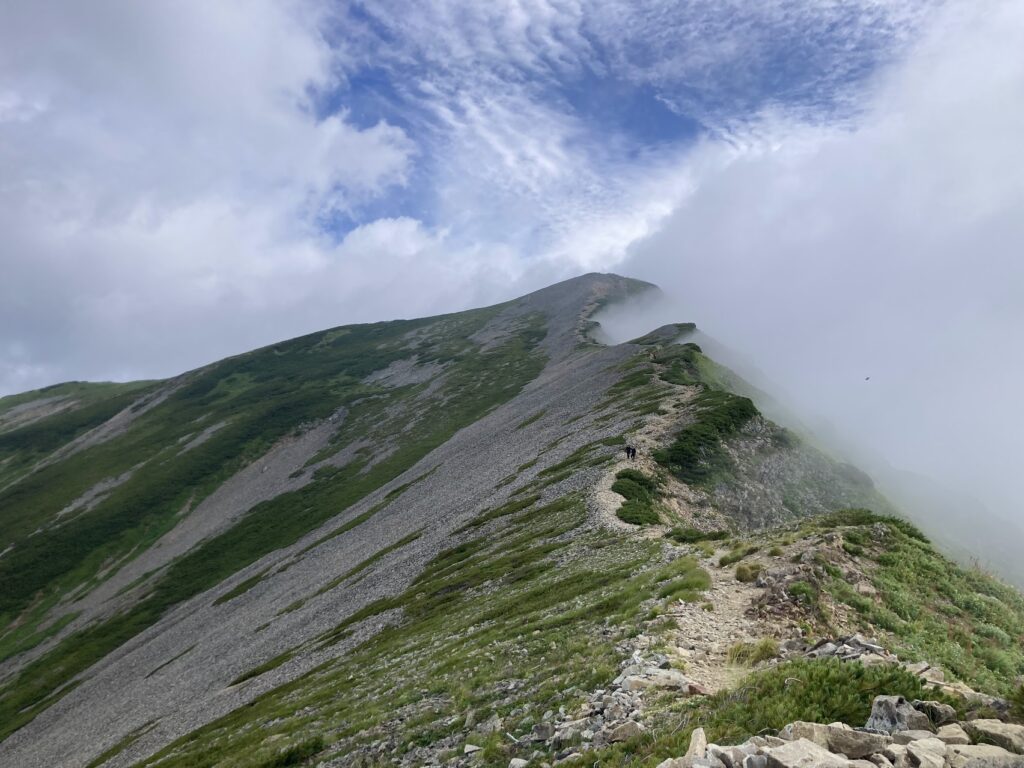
[161,174]
[164,178]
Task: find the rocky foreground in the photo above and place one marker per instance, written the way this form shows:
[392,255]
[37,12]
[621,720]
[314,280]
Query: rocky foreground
[899,734]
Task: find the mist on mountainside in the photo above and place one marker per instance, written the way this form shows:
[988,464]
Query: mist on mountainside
[925,439]
[872,274]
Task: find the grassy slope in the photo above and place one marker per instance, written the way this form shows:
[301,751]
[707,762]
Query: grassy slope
[80,392]
[261,396]
[83,407]
[927,608]
[494,609]
[497,609]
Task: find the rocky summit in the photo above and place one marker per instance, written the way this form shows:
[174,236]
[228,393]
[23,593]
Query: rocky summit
[478,539]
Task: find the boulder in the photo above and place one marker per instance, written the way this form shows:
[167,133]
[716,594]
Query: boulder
[905,737]
[803,753]
[953,734]
[469,749]
[755,761]
[927,753]
[981,756]
[894,713]
[897,754]
[973,697]
[855,744]
[614,711]
[880,761]
[624,731]
[542,732]
[730,757]
[865,589]
[490,725]
[698,743]
[518,762]
[874,659]
[937,712]
[825,649]
[815,732]
[1005,735]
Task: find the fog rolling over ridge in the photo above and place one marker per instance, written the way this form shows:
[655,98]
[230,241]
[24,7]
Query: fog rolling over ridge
[907,409]
[873,273]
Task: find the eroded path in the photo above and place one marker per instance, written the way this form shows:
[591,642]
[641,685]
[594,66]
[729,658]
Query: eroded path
[709,627]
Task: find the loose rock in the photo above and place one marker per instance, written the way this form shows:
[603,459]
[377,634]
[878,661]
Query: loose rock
[1005,735]
[937,712]
[953,734]
[626,730]
[803,753]
[894,713]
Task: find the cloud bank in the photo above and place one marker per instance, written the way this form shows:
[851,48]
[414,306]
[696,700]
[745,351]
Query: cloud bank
[890,249]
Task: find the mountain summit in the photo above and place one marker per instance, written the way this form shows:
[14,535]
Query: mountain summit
[423,542]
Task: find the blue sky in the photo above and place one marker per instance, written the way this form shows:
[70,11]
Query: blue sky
[830,186]
[615,84]
[267,168]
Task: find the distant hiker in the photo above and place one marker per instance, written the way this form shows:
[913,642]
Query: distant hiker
[630,452]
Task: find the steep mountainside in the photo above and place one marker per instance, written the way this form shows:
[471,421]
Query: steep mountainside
[380,543]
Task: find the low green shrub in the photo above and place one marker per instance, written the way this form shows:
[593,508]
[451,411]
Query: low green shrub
[638,477]
[692,535]
[637,513]
[639,492]
[295,755]
[736,555]
[815,691]
[862,517]
[1017,703]
[749,654]
[853,549]
[804,591]
[631,490]
[696,455]
[747,572]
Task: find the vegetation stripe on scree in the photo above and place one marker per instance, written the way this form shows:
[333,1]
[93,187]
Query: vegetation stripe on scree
[474,383]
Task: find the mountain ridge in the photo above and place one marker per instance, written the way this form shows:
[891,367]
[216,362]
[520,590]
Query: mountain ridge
[256,524]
